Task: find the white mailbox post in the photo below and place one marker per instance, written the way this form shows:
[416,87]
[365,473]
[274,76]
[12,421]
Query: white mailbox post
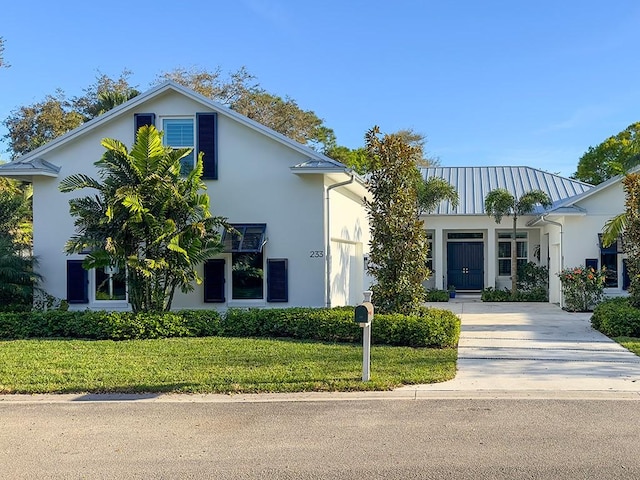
[364,317]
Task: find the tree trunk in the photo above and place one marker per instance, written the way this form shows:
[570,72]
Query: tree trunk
[514,258]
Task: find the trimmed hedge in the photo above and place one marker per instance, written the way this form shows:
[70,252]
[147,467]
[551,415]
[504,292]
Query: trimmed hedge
[616,317]
[431,328]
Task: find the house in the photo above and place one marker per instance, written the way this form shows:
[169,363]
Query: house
[303,229]
[471,251]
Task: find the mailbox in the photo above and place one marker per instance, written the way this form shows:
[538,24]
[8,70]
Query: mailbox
[364,314]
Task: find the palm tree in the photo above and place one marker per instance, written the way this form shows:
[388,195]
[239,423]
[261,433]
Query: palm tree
[17,278]
[146,218]
[500,203]
[434,190]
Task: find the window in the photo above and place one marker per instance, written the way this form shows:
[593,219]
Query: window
[504,251]
[609,260]
[110,284]
[179,133]
[465,236]
[247,261]
[430,252]
[247,275]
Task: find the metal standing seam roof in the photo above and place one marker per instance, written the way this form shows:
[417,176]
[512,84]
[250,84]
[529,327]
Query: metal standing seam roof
[474,183]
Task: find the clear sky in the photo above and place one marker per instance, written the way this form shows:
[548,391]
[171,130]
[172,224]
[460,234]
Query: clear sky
[490,82]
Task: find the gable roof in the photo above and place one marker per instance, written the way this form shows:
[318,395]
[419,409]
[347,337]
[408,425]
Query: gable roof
[474,183]
[28,163]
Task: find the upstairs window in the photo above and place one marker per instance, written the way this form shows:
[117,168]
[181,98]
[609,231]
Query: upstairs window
[180,133]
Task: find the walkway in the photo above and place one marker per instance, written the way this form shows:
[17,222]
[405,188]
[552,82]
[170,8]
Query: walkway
[534,346]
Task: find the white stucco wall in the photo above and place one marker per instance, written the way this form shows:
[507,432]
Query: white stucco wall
[349,244]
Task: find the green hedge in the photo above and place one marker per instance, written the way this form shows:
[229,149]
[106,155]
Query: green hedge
[616,317]
[431,328]
[537,294]
[435,295]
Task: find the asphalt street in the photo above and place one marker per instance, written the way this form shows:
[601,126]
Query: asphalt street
[332,439]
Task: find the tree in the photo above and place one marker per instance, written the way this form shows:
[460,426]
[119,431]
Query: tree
[356,159]
[399,246]
[15,214]
[145,218]
[434,190]
[627,224]
[34,125]
[617,154]
[359,160]
[17,278]
[500,203]
[104,94]
[212,84]
[241,93]
[285,116]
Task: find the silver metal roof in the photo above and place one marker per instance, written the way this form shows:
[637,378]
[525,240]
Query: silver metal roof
[474,183]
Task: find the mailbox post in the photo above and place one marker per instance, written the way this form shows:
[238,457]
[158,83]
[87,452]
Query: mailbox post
[363,316]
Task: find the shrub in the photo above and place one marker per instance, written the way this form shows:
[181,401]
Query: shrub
[616,317]
[101,325]
[435,295]
[582,288]
[430,327]
[491,294]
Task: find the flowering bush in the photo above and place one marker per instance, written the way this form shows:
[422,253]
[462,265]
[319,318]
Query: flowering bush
[582,288]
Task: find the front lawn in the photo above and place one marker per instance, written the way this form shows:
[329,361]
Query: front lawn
[212,365]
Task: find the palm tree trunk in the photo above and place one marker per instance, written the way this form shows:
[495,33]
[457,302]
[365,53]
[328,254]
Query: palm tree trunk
[514,258]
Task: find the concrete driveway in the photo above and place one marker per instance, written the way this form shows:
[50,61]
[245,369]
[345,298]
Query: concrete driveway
[534,346]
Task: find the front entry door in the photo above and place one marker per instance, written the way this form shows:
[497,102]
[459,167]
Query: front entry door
[465,265]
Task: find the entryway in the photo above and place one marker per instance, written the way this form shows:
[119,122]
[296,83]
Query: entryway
[465,265]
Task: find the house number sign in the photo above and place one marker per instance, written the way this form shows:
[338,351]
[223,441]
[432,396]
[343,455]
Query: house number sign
[316,253]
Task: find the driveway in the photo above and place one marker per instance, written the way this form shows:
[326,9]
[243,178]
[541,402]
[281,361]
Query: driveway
[534,346]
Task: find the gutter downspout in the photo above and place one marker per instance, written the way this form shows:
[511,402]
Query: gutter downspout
[542,217]
[328,246]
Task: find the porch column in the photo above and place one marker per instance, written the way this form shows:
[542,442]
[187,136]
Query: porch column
[438,257]
[490,276]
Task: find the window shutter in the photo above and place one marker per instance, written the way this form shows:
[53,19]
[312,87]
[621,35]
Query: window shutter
[77,282]
[214,281]
[207,143]
[277,280]
[142,119]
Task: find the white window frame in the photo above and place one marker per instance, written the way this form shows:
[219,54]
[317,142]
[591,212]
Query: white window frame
[506,237]
[192,119]
[93,284]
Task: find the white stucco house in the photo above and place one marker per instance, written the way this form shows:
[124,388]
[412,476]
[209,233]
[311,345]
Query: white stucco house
[301,216]
[472,252]
[300,213]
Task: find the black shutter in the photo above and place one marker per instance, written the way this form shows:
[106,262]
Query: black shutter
[207,124]
[277,280]
[77,282]
[142,119]
[214,281]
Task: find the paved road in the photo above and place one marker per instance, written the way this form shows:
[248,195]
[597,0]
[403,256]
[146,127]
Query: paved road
[373,439]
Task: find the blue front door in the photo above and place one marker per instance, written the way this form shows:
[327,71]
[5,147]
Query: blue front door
[465,265]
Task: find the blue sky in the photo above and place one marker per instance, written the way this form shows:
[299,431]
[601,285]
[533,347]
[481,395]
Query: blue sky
[489,83]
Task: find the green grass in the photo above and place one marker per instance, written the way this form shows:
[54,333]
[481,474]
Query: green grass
[212,365]
[630,343]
